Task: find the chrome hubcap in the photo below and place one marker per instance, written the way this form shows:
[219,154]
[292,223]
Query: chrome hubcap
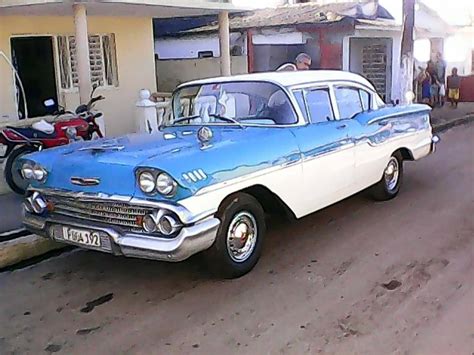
[391,174]
[242,236]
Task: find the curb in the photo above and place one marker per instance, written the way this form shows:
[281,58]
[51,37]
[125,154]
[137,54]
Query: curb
[4,189]
[452,123]
[24,248]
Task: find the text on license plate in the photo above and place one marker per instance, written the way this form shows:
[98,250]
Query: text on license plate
[81,236]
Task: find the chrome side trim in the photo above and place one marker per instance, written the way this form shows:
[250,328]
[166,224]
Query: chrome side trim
[319,154]
[345,144]
[395,115]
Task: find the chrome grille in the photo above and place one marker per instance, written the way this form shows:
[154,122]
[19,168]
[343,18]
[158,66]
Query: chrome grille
[108,212]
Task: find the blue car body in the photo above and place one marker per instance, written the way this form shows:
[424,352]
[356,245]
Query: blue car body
[306,166]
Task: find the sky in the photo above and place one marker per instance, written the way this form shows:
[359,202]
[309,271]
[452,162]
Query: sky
[457,13]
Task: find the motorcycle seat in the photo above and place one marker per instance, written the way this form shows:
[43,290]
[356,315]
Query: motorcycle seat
[43,126]
[32,133]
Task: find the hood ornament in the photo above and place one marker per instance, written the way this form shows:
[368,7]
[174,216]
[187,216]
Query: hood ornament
[205,134]
[103,147]
[85,181]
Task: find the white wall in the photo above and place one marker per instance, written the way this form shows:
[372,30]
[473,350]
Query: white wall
[171,73]
[459,51]
[136,69]
[189,47]
[396,50]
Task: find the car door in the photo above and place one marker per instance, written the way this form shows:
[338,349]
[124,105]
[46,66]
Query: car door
[353,100]
[327,150]
[370,158]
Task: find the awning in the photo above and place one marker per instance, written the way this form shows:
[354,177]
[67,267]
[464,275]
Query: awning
[145,8]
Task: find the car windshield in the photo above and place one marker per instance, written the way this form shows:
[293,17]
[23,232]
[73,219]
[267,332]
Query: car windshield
[238,103]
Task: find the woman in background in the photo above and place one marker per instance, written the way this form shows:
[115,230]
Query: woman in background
[424,79]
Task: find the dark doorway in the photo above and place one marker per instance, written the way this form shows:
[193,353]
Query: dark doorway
[34,61]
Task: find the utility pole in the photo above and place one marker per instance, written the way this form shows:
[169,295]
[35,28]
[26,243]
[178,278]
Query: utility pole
[406,55]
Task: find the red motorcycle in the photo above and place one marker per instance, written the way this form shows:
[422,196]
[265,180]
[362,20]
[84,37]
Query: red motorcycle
[83,124]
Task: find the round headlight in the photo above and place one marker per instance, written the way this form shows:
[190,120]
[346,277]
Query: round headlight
[167,225]
[146,181]
[39,173]
[149,224]
[27,171]
[165,185]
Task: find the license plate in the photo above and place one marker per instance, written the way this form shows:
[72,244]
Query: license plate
[81,236]
[3,149]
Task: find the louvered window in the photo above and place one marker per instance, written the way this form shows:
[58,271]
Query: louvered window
[102,60]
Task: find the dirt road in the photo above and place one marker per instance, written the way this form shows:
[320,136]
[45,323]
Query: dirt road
[358,277]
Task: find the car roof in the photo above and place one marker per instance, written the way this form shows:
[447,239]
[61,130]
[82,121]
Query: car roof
[289,78]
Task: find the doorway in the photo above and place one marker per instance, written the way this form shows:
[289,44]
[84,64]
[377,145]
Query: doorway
[34,61]
[372,58]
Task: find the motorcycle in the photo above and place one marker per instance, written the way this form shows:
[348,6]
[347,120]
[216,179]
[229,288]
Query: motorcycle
[67,127]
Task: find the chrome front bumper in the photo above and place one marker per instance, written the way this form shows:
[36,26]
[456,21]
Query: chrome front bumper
[191,239]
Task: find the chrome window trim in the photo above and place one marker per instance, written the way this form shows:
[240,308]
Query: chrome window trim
[345,86]
[321,86]
[350,83]
[300,121]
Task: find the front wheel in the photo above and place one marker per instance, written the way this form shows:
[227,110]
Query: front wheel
[239,240]
[12,169]
[389,186]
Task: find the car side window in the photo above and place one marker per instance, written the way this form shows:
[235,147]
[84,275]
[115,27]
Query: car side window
[348,102]
[365,99]
[319,105]
[299,96]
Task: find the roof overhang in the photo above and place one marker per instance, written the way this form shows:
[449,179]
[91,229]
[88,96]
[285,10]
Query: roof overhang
[146,8]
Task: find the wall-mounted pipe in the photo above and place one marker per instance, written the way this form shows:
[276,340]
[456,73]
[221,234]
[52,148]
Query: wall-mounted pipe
[20,82]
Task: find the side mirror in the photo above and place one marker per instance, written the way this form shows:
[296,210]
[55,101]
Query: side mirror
[81,108]
[95,85]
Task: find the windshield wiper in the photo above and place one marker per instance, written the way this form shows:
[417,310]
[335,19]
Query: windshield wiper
[188,118]
[228,119]
[213,115]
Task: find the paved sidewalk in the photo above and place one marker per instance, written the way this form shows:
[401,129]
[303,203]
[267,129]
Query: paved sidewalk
[10,212]
[445,117]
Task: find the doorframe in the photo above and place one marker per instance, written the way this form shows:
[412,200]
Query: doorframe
[388,65]
[57,74]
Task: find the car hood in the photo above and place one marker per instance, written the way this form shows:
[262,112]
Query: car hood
[231,152]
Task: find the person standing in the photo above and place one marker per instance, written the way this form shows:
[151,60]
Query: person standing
[454,85]
[440,66]
[424,79]
[435,84]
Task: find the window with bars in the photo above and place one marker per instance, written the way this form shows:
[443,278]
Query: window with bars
[102,60]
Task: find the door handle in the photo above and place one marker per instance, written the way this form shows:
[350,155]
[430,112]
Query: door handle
[342,126]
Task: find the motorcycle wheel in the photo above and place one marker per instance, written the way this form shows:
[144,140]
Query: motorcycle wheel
[12,169]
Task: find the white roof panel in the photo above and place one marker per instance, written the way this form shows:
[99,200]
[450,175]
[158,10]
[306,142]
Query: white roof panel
[290,78]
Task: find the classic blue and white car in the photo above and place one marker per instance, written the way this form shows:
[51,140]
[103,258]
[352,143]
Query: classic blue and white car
[237,148]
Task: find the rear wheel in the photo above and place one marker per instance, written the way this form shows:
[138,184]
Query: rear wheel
[239,240]
[389,186]
[12,169]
